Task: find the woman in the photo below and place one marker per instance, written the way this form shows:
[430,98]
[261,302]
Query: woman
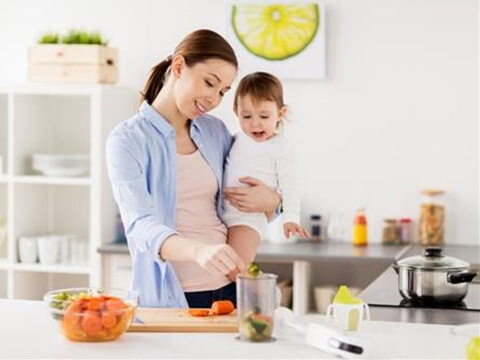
[166,168]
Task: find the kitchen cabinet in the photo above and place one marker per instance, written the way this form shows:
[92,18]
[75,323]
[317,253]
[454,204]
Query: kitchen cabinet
[117,271]
[56,119]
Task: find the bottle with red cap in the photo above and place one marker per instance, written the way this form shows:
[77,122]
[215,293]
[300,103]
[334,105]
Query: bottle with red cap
[405,230]
[360,233]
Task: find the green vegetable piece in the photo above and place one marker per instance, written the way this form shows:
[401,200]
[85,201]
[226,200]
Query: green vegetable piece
[253,269]
[259,326]
[61,296]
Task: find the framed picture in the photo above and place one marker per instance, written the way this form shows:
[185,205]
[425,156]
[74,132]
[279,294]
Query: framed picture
[284,38]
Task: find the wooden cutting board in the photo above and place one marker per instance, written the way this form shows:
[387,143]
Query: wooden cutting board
[179,320]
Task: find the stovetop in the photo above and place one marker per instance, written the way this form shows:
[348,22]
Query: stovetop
[384,292]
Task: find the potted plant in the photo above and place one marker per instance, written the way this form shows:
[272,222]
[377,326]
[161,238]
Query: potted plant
[76,57]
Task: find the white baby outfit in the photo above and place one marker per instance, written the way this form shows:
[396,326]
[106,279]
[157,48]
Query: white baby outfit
[271,161]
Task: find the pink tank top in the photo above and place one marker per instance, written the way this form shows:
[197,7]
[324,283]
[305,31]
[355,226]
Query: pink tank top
[197,219]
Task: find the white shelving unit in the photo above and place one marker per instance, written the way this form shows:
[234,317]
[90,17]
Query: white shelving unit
[56,119]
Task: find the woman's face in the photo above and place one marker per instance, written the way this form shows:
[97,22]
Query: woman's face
[199,89]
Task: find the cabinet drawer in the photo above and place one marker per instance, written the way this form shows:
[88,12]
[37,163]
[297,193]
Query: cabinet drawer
[117,271]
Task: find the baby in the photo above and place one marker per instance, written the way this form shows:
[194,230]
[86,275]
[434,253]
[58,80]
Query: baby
[261,151]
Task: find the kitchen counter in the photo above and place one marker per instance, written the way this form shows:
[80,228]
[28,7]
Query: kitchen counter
[113,248]
[301,254]
[378,295]
[386,302]
[311,251]
[303,251]
[28,331]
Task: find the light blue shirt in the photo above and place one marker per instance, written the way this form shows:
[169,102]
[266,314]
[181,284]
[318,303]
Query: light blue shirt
[141,160]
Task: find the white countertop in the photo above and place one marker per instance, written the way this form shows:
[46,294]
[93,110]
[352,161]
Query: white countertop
[28,331]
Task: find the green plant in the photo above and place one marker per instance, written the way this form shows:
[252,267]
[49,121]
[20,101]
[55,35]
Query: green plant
[96,38]
[74,36]
[49,38]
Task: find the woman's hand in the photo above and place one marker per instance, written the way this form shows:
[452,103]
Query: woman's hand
[291,228]
[218,259]
[257,197]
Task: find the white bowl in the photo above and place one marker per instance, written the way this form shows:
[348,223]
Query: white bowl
[61,165]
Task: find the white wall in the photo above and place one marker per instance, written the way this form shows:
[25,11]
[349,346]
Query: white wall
[398,111]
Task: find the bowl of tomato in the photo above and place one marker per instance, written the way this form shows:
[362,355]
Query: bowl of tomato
[92,314]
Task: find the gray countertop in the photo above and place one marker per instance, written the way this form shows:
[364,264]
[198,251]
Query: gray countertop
[113,248]
[311,251]
[308,251]
[304,251]
[424,315]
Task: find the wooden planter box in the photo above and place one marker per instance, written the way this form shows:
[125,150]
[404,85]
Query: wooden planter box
[72,64]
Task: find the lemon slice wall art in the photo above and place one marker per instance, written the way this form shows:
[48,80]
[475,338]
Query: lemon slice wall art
[287,39]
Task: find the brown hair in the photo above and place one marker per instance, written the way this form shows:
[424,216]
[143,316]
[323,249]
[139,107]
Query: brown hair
[260,86]
[196,47]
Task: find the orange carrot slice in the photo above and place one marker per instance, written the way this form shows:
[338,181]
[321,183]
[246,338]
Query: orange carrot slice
[91,323]
[95,304]
[199,312]
[222,307]
[115,304]
[109,320]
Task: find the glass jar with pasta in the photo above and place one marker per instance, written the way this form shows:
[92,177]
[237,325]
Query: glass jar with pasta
[432,218]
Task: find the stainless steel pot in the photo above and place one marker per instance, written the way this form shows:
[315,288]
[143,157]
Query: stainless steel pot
[433,277]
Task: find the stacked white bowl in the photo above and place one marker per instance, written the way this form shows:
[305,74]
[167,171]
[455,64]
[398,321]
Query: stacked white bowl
[61,165]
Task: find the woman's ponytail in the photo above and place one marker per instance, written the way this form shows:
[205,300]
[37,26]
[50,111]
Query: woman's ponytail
[156,80]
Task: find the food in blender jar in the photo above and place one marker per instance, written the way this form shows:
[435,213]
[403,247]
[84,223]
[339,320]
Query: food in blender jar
[256,326]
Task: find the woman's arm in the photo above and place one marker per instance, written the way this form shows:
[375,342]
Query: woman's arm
[255,198]
[245,241]
[126,169]
[217,259]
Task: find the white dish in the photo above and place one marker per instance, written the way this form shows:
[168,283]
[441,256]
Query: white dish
[64,172]
[61,165]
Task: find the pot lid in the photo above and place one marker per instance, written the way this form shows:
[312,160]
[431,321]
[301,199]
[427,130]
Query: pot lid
[433,259]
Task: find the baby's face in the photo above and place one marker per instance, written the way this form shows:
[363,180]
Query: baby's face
[259,119]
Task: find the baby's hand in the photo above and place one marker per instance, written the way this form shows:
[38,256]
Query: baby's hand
[291,228]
